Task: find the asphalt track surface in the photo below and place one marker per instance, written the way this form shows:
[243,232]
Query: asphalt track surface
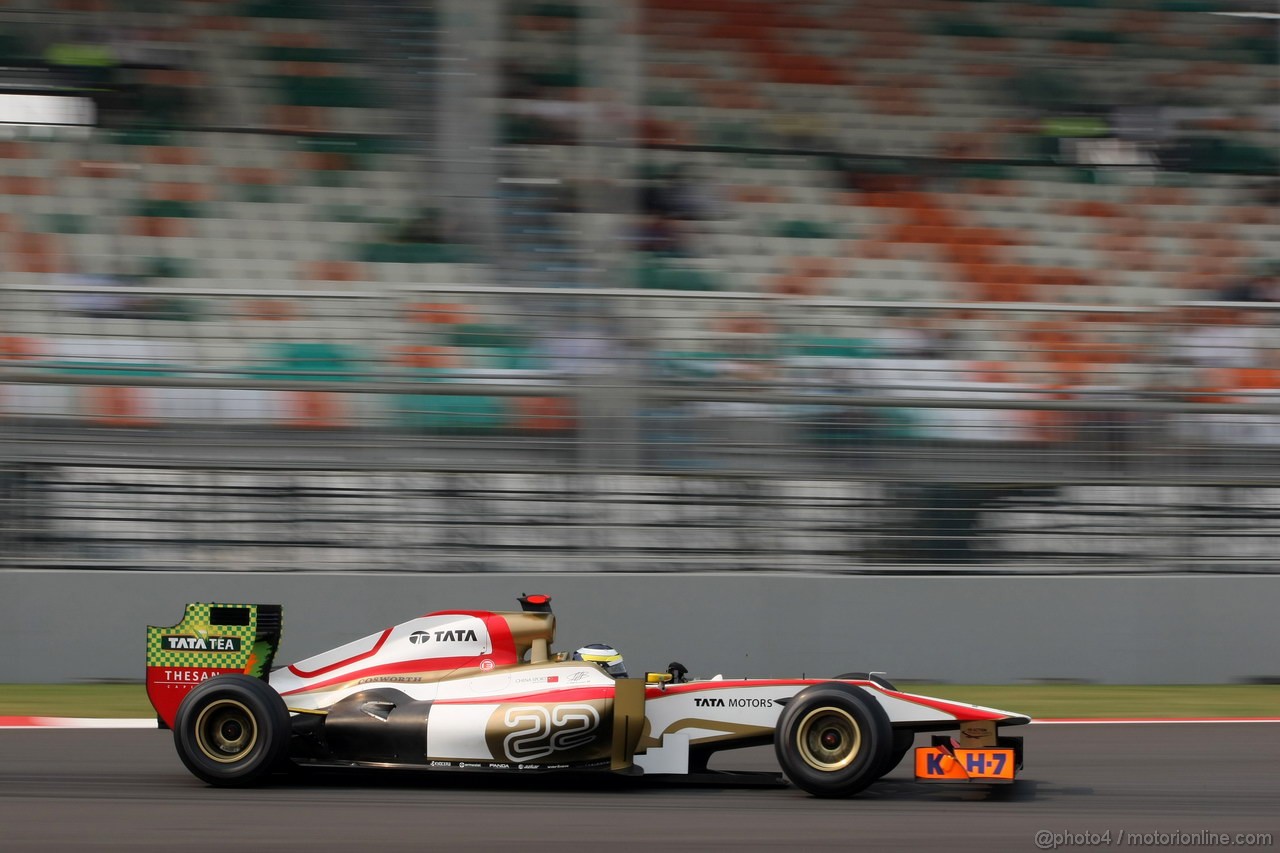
[125,790]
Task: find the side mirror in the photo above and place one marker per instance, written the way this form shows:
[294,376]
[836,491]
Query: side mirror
[657,677]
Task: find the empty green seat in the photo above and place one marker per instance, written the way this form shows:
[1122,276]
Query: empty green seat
[66,223]
[166,267]
[487,336]
[318,360]
[816,346]
[414,253]
[1093,37]
[141,136]
[169,208]
[451,413]
[657,275]
[803,229]
[968,28]
[277,53]
[283,9]
[557,10]
[325,92]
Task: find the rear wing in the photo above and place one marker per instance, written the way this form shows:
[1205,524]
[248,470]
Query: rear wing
[211,639]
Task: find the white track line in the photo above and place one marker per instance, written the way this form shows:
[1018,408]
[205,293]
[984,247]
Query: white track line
[76,723]
[1154,721]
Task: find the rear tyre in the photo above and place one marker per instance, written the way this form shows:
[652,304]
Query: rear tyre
[833,740]
[232,730]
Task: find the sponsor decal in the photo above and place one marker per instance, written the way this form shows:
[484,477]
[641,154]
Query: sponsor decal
[578,677]
[496,766]
[440,764]
[396,679]
[935,763]
[166,685]
[451,635]
[185,675]
[198,643]
[539,730]
[486,664]
[537,679]
[717,702]
[469,764]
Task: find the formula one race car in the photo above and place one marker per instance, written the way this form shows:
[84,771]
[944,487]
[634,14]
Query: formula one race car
[483,691]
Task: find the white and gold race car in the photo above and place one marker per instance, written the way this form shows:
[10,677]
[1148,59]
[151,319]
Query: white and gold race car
[482,691]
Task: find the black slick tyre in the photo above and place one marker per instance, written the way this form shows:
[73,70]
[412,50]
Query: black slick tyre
[232,731]
[833,740]
[867,676]
[903,739]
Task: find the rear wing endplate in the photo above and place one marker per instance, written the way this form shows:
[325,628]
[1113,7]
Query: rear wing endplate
[211,639]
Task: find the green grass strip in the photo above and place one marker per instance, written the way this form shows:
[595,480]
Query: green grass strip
[1091,701]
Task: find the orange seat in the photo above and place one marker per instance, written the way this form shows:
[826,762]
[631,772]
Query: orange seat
[437,313]
[268,309]
[315,410]
[334,271]
[178,191]
[159,226]
[545,414]
[116,406]
[172,155]
[428,356]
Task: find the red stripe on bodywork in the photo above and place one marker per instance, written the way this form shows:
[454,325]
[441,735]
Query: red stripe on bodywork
[577,694]
[700,686]
[397,668]
[500,639]
[960,712]
[346,662]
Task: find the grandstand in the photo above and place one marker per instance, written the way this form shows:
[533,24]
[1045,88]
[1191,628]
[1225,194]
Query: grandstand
[954,210]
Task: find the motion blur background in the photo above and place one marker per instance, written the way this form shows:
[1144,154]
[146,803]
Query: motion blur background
[672,285]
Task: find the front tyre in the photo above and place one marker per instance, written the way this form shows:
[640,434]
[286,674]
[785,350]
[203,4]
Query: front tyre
[232,730]
[833,740]
[903,739]
[867,676]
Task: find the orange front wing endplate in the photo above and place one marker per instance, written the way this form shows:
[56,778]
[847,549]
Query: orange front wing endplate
[986,764]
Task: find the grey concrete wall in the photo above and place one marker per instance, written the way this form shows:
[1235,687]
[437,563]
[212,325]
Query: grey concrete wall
[72,626]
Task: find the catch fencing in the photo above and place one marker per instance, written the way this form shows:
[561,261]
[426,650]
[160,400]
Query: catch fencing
[458,427]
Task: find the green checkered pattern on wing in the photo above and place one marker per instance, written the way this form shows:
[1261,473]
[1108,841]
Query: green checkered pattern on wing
[196,624]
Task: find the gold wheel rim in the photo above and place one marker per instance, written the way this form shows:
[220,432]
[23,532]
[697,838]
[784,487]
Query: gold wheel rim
[226,731]
[829,739]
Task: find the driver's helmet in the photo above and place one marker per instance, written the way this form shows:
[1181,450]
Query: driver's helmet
[607,657]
